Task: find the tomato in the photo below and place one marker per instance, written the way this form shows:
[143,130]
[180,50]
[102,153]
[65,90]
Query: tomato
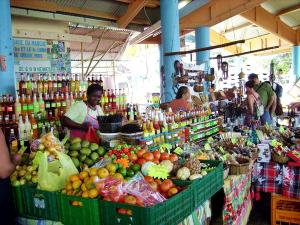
[154,186]
[141,161]
[129,199]
[148,156]
[172,191]
[164,156]
[133,157]
[125,150]
[140,153]
[166,185]
[173,157]
[158,181]
[148,179]
[156,154]
[156,161]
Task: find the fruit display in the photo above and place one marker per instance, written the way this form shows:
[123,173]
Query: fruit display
[26,174]
[83,153]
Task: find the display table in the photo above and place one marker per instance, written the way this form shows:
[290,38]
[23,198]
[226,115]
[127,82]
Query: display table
[237,203]
[276,178]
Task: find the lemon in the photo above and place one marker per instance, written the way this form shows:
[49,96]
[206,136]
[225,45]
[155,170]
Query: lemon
[93,193]
[103,173]
[111,167]
[76,184]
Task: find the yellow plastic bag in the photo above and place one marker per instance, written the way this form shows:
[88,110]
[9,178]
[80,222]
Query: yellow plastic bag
[52,176]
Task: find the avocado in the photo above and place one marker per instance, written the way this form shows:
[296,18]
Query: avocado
[75,140]
[88,161]
[85,151]
[85,144]
[82,158]
[94,146]
[75,147]
[94,156]
[76,162]
[101,151]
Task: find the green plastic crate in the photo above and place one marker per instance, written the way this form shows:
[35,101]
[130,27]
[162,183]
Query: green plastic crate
[171,212]
[40,204]
[86,214]
[18,200]
[204,188]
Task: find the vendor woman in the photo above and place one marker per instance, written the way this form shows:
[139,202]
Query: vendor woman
[180,103]
[81,114]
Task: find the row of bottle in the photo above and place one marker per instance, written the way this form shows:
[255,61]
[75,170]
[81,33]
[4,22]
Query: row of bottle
[47,83]
[113,101]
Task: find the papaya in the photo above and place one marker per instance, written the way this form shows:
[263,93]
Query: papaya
[75,147]
[85,151]
[94,146]
[85,144]
[75,140]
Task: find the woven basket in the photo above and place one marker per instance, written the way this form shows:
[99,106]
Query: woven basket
[279,158]
[196,101]
[198,88]
[242,168]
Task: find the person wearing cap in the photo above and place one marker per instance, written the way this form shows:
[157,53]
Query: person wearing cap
[267,96]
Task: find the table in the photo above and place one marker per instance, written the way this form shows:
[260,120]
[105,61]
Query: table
[237,204]
[276,178]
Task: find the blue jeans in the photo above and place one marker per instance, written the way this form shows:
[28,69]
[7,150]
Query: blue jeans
[266,118]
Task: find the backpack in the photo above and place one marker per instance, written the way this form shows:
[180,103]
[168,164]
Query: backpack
[278,91]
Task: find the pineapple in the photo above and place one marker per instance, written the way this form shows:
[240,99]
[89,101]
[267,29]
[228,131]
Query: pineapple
[194,165]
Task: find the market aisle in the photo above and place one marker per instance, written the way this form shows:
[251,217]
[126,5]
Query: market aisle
[261,211]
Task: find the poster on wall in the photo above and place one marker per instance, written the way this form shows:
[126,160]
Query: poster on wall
[45,56]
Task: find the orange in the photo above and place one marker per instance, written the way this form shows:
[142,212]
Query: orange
[85,194]
[76,184]
[83,175]
[69,192]
[83,187]
[93,193]
[86,179]
[74,178]
[103,173]
[69,187]
[93,172]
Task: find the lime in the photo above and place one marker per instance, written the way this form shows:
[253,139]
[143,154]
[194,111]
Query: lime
[122,171]
[130,173]
[136,167]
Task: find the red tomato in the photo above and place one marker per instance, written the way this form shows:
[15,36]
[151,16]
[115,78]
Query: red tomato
[140,153]
[141,161]
[148,179]
[156,161]
[156,154]
[154,185]
[158,181]
[172,191]
[148,156]
[164,156]
[173,157]
[166,185]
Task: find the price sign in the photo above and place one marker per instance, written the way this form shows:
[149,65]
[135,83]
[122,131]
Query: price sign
[158,171]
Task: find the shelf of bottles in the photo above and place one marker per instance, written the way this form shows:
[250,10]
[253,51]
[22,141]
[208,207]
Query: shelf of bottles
[169,128]
[42,99]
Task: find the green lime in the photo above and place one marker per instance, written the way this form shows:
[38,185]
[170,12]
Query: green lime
[130,173]
[136,167]
[122,171]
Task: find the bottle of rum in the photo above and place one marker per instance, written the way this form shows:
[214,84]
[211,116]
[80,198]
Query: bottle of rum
[13,142]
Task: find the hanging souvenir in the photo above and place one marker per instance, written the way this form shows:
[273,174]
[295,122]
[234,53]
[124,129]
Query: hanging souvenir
[219,61]
[224,68]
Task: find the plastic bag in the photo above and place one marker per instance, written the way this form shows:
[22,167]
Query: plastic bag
[92,136]
[48,143]
[52,176]
[137,186]
[110,188]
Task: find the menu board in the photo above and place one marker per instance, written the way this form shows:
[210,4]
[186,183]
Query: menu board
[41,56]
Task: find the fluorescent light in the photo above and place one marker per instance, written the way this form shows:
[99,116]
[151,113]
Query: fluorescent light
[183,3]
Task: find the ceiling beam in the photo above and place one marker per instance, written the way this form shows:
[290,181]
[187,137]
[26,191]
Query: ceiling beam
[265,41]
[233,29]
[271,23]
[216,11]
[275,51]
[217,39]
[133,9]
[288,10]
[150,3]
[56,8]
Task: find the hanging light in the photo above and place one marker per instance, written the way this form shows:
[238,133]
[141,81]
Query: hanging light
[241,74]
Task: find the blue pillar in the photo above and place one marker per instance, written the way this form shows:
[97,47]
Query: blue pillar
[169,15]
[7,78]
[202,39]
[161,63]
[296,61]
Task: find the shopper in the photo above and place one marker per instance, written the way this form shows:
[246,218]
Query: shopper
[255,108]
[267,97]
[180,103]
[7,166]
[81,115]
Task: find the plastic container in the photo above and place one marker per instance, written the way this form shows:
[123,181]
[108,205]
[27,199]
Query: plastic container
[110,136]
[85,212]
[132,138]
[110,127]
[40,204]
[204,188]
[18,200]
[285,210]
[171,212]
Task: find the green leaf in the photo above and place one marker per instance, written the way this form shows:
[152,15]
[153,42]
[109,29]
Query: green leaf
[207,147]
[178,151]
